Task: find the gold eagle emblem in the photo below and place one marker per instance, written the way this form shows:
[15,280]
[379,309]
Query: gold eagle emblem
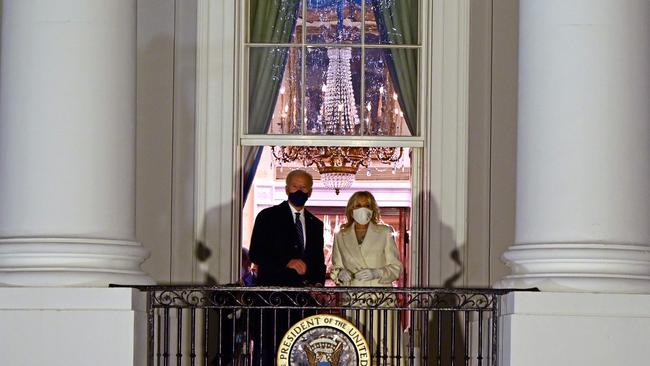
[323,352]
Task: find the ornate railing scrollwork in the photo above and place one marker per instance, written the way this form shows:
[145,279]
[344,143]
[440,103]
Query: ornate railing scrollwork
[318,297]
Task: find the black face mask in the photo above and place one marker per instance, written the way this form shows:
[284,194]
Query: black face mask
[298,198]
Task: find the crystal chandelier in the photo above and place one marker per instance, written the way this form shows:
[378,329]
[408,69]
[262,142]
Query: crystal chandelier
[338,113]
[337,165]
[338,116]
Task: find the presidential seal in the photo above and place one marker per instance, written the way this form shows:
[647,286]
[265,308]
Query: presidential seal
[323,340]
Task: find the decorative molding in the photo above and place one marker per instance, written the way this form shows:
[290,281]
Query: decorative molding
[200,140]
[46,261]
[445,105]
[216,148]
[462,147]
[578,267]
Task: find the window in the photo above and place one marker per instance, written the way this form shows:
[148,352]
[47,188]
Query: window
[317,70]
[331,68]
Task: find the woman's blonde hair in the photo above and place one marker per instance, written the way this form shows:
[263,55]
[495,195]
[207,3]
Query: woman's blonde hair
[350,207]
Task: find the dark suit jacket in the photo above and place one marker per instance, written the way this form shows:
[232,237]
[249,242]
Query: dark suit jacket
[275,241]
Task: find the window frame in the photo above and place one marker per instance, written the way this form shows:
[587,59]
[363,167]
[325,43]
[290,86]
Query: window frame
[303,139]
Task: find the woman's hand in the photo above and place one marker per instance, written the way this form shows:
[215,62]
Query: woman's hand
[344,275]
[368,274]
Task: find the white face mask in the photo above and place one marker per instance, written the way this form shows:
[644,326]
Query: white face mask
[362,215]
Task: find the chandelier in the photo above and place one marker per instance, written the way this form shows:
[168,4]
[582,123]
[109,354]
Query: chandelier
[338,116]
[337,165]
[338,113]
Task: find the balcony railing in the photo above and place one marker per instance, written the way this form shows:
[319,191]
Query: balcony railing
[201,325]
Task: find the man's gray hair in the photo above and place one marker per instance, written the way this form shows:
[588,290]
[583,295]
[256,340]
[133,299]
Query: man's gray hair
[297,173]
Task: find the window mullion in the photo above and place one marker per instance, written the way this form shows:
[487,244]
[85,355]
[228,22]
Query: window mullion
[303,69]
[362,92]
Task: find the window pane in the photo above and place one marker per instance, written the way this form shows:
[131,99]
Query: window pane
[391,92]
[332,96]
[275,21]
[274,94]
[333,74]
[391,22]
[334,21]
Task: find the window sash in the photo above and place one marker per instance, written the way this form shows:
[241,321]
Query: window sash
[320,140]
[303,139]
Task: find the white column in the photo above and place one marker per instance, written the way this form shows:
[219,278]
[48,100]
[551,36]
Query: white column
[67,144]
[583,168]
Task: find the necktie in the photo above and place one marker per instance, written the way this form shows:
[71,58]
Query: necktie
[301,237]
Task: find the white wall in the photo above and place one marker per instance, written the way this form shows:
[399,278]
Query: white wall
[72,326]
[165,137]
[492,138]
[567,329]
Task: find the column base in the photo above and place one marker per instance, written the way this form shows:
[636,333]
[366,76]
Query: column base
[71,262]
[571,267]
[567,329]
[73,326]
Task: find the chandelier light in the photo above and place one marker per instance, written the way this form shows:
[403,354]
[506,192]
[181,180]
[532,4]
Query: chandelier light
[337,165]
[338,116]
[338,113]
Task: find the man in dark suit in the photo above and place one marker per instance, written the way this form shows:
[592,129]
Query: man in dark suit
[284,256]
[287,248]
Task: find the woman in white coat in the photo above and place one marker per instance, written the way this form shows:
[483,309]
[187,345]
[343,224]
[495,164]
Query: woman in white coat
[365,254]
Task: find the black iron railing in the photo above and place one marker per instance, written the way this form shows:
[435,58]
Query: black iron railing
[201,325]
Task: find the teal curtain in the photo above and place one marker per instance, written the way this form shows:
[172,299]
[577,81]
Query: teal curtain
[271,21]
[397,21]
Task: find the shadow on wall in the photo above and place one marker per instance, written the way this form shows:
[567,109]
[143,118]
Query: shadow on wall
[220,323]
[202,253]
[218,259]
[439,269]
[165,145]
[446,341]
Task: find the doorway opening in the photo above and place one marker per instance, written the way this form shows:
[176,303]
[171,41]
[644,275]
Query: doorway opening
[392,188]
